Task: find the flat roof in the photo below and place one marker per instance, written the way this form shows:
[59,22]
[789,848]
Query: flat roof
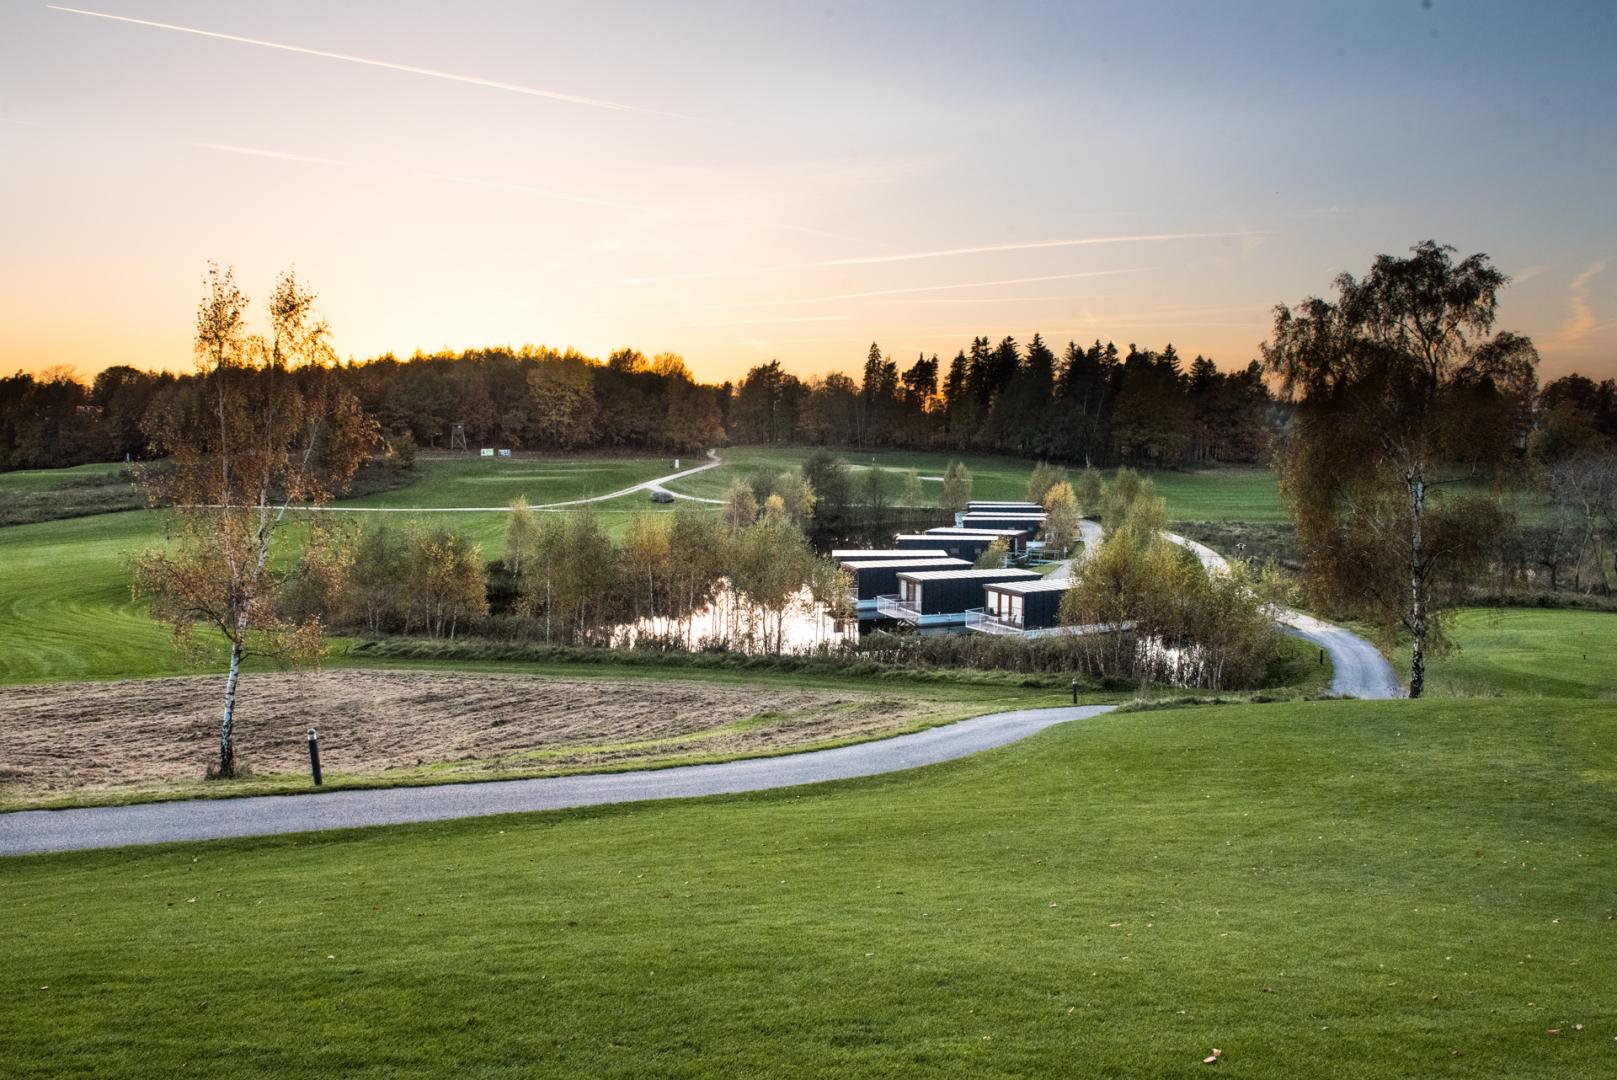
[1044,584]
[1003,505]
[872,554]
[961,530]
[1004,515]
[940,563]
[953,575]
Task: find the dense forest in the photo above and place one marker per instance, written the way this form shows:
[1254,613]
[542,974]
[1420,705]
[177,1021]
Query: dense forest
[1092,406]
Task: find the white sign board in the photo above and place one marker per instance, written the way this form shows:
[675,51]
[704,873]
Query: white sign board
[488,451]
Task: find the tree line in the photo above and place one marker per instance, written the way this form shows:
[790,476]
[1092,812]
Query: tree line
[1094,405]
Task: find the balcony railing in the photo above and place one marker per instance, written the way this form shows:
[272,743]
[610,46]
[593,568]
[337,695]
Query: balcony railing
[981,620]
[896,607]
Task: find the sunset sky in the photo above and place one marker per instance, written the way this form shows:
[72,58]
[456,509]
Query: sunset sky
[749,181]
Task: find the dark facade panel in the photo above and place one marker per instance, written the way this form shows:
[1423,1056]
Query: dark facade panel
[991,520]
[959,547]
[873,579]
[948,594]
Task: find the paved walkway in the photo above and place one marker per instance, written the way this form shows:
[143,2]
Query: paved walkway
[1357,667]
[30,831]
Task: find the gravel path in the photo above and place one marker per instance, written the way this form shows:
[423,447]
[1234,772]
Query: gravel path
[31,831]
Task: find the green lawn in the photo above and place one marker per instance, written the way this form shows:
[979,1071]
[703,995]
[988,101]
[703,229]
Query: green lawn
[65,608]
[1336,889]
[1527,651]
[496,482]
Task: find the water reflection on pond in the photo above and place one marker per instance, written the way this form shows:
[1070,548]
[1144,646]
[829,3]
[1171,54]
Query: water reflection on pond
[730,623]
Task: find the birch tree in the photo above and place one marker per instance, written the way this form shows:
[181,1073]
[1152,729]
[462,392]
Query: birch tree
[956,486]
[267,432]
[1061,516]
[1401,391]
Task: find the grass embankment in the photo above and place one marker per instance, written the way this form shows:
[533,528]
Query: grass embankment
[31,495]
[1345,889]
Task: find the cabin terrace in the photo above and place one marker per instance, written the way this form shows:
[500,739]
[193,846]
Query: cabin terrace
[1026,608]
[942,597]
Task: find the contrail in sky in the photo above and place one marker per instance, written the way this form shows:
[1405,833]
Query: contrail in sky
[473,80]
[1580,320]
[783,319]
[252,151]
[943,253]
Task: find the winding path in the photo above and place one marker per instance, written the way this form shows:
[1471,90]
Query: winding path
[26,832]
[1357,667]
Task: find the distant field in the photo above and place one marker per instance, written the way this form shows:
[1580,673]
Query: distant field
[478,481]
[1527,651]
[1359,890]
[1236,494]
[65,609]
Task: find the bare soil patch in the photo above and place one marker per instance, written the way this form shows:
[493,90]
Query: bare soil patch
[127,736]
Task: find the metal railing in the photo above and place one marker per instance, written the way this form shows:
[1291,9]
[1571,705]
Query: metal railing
[894,607]
[980,620]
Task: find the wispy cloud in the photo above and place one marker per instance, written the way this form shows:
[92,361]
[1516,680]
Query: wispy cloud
[1580,319]
[1528,273]
[281,155]
[410,69]
[941,253]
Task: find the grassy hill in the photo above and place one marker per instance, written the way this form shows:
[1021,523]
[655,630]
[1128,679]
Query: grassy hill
[1527,652]
[1331,889]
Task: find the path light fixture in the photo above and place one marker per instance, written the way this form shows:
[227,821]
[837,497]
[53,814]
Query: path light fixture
[314,755]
